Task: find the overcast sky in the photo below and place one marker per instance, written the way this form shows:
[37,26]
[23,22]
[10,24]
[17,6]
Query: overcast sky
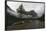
[38,7]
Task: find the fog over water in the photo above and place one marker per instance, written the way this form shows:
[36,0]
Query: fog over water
[37,7]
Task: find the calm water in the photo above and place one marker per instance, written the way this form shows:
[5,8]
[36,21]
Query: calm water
[26,24]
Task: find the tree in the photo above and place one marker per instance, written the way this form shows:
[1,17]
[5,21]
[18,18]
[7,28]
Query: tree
[42,18]
[33,13]
[21,9]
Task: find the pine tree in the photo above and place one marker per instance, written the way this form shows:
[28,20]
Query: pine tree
[21,9]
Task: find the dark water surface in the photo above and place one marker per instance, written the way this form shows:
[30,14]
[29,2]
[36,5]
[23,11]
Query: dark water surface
[26,24]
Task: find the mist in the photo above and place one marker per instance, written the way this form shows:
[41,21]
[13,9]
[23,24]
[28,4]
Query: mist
[37,7]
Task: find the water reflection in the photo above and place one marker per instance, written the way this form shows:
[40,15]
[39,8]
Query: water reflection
[27,24]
